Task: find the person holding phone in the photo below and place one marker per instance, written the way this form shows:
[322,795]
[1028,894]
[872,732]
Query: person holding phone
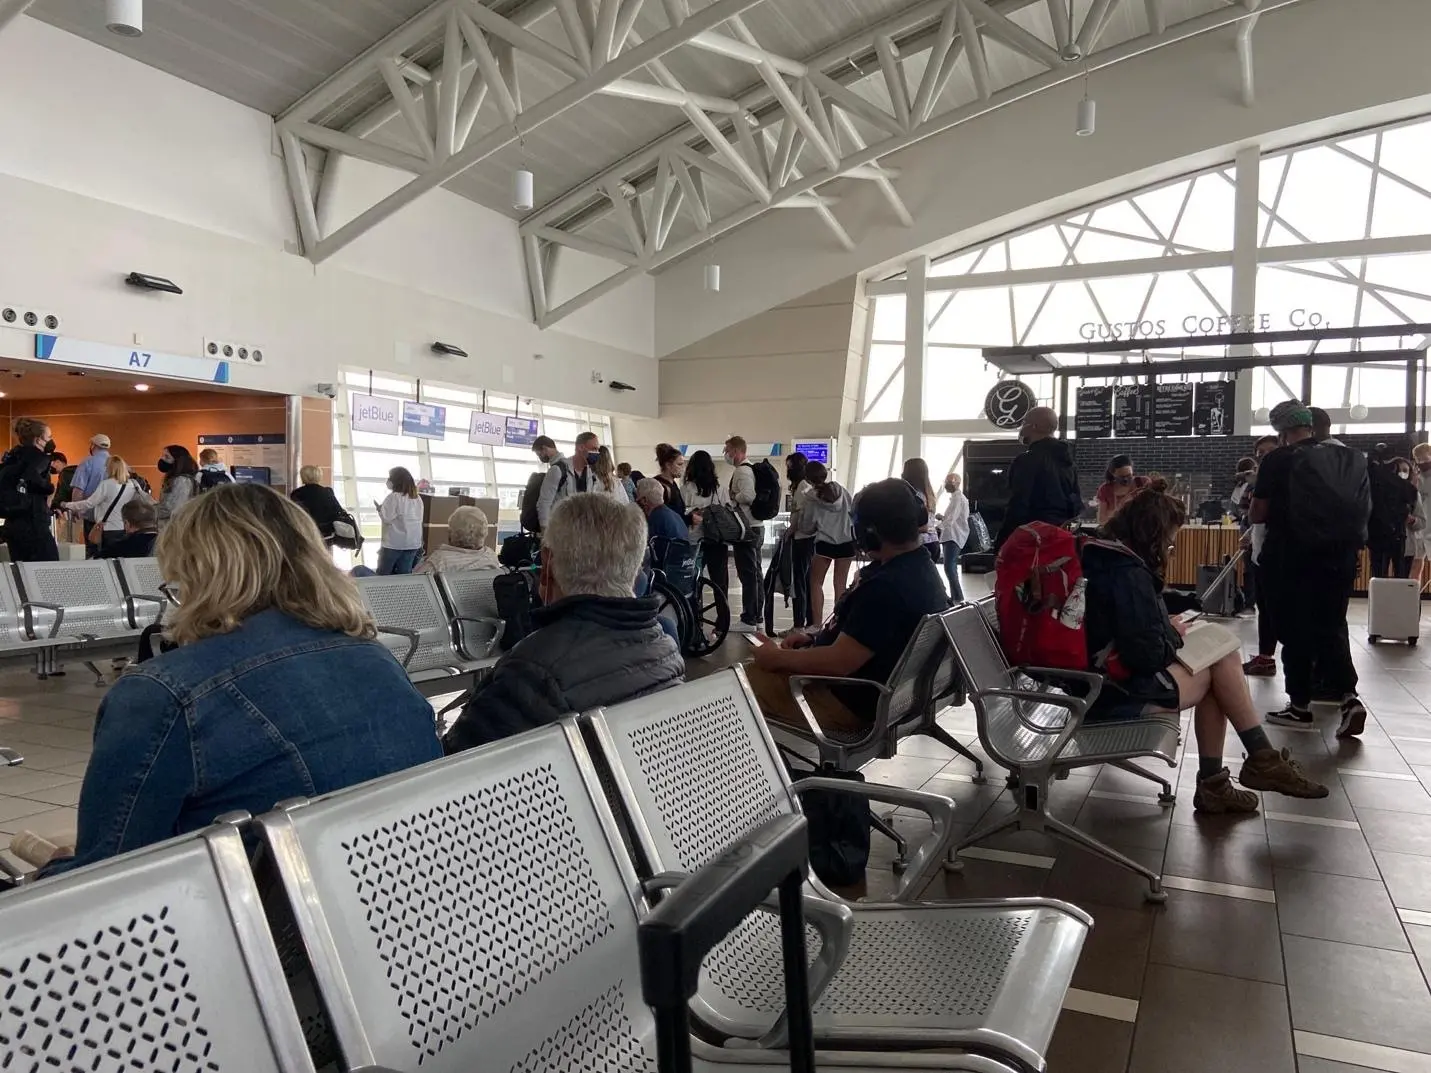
[401,515]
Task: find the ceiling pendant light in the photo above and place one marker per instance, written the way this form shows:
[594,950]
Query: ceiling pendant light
[712,277]
[1087,111]
[1359,412]
[124,17]
[522,190]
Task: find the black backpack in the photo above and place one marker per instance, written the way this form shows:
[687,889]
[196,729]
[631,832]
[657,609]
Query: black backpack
[516,596]
[767,491]
[839,829]
[212,478]
[1329,497]
[14,495]
[530,521]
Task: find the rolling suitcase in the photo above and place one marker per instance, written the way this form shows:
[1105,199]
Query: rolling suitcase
[1217,587]
[1393,610]
[677,935]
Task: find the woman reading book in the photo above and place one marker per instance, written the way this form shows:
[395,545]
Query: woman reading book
[1142,654]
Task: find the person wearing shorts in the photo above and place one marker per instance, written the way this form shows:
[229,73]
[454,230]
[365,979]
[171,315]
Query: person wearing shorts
[833,511]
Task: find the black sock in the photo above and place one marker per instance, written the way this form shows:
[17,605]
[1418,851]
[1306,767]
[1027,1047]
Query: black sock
[1207,766]
[1254,738]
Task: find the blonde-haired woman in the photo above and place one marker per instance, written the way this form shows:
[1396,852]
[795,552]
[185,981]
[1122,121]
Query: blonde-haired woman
[277,688]
[108,500]
[466,547]
[607,483]
[318,500]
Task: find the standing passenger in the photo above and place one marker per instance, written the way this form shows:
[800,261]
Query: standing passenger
[25,490]
[1043,484]
[954,533]
[833,509]
[181,481]
[401,515]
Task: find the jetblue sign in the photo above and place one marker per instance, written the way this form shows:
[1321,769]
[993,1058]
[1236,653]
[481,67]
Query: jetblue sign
[130,359]
[489,429]
[373,413]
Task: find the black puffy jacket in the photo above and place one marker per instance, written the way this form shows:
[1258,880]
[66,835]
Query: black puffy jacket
[586,651]
[1043,487]
[1126,614]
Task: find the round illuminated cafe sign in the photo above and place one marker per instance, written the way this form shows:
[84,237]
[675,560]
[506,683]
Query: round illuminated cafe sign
[1008,403]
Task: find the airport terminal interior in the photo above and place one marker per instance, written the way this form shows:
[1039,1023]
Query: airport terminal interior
[421,259]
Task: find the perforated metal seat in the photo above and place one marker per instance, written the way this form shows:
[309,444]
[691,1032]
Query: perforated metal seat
[20,635]
[473,604]
[158,960]
[90,594]
[414,624]
[476,913]
[1038,733]
[142,580]
[696,768]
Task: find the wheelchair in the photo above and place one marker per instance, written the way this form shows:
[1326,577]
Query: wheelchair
[695,607]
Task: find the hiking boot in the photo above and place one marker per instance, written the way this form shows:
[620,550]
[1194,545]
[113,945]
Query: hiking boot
[1277,772]
[1260,667]
[1353,717]
[1291,716]
[1216,794]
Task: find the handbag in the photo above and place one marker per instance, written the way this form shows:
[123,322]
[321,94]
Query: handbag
[723,523]
[839,828]
[96,533]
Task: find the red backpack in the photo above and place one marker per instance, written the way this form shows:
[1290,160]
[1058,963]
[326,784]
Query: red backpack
[1038,590]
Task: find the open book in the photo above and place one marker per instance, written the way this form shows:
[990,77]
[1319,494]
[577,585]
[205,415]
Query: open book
[1205,643]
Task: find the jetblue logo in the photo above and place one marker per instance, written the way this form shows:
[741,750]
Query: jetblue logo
[369,411]
[487,428]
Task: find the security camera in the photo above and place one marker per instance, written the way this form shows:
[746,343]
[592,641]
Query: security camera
[328,391]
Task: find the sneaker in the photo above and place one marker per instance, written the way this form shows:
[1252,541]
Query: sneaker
[1291,716]
[1353,717]
[1260,667]
[1216,794]
[744,627]
[1277,772]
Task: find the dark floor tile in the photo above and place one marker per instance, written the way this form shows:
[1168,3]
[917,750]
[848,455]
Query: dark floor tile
[1083,1043]
[1313,848]
[987,879]
[1339,908]
[1392,795]
[1335,806]
[1354,755]
[1193,1022]
[1400,832]
[1127,823]
[907,771]
[1081,877]
[1185,816]
[1223,936]
[1300,742]
[1220,854]
[1407,877]
[1357,992]
[1115,954]
[1117,781]
[970,800]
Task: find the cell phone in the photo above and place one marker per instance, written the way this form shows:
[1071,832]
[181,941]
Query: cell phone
[1188,617]
[755,641]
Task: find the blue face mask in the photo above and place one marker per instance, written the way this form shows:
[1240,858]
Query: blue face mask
[593,457]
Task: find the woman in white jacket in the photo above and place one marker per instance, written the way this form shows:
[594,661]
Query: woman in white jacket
[108,501]
[954,533]
[401,515]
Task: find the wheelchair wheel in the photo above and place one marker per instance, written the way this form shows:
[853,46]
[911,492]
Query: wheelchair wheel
[674,611]
[710,619]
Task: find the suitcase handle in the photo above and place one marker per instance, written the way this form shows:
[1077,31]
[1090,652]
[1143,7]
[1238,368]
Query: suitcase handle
[678,934]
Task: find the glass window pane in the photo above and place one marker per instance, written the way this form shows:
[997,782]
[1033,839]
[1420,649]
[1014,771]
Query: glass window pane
[884,383]
[877,458]
[889,318]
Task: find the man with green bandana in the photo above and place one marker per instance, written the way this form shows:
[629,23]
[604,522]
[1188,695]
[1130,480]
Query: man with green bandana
[1315,500]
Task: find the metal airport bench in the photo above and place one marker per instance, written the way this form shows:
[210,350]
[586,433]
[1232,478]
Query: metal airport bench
[417,627]
[1038,734]
[696,768]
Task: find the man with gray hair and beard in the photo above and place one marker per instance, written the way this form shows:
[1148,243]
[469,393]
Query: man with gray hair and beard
[594,644]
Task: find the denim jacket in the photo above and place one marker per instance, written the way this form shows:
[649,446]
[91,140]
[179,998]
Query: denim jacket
[275,709]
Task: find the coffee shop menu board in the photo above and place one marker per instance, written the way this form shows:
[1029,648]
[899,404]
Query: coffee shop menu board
[1093,419]
[1212,409]
[1172,409]
[1132,408]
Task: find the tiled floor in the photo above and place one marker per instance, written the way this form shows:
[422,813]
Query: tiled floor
[1298,939]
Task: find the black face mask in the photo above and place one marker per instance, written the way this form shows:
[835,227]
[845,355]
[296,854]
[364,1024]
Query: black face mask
[49,447]
[165,467]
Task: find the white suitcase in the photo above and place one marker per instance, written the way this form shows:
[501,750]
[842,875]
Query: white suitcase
[1394,610]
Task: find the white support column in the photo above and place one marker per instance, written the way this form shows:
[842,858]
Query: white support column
[912,420]
[1247,171]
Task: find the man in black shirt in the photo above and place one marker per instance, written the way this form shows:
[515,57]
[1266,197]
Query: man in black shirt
[1043,485]
[1310,577]
[872,625]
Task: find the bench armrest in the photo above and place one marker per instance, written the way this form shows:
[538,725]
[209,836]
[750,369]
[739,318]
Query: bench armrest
[930,852]
[1092,679]
[131,606]
[413,640]
[29,605]
[1075,706]
[832,921]
[497,625]
[798,682]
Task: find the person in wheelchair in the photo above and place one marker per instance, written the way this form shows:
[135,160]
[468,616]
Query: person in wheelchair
[594,644]
[661,520]
[871,626]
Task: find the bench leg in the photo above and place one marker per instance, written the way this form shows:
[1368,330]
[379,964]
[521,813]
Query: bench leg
[901,860]
[1167,797]
[93,668]
[939,734]
[952,863]
[1069,833]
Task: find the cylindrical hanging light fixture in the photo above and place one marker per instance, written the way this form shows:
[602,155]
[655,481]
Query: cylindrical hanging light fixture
[124,17]
[522,190]
[1087,117]
[712,277]
[1262,415]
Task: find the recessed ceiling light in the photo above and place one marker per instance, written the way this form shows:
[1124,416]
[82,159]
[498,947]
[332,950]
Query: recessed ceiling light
[141,387]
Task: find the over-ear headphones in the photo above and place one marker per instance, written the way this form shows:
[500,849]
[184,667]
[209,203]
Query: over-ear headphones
[899,510]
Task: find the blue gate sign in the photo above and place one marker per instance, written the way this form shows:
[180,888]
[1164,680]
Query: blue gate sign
[521,431]
[420,419]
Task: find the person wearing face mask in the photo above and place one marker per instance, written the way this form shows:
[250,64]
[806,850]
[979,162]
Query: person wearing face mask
[1119,484]
[26,485]
[566,477]
[1043,484]
[671,471]
[401,515]
[954,533]
[1420,536]
[181,481]
[1393,502]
